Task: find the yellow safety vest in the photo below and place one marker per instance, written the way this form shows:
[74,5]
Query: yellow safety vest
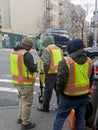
[78,78]
[56,57]
[20,73]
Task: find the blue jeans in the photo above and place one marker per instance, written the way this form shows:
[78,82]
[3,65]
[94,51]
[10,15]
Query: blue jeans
[64,108]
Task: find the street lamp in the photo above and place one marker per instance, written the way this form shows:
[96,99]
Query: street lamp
[96,17]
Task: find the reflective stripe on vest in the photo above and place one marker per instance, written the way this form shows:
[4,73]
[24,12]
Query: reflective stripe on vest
[56,57]
[20,73]
[78,79]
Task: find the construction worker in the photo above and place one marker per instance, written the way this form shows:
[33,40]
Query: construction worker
[51,55]
[24,73]
[74,78]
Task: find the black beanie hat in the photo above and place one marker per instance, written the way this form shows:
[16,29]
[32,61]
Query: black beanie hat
[74,45]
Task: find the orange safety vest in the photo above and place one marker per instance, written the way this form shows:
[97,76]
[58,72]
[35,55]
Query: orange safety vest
[78,78]
[56,57]
[20,73]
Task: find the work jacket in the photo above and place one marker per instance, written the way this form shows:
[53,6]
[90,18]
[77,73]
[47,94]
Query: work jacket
[78,78]
[80,57]
[56,57]
[20,73]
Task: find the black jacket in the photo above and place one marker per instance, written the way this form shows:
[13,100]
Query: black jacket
[28,59]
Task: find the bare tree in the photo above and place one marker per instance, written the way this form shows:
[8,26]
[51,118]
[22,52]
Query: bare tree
[80,22]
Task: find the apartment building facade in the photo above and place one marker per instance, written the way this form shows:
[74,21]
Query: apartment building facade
[30,17]
[0,14]
[5,14]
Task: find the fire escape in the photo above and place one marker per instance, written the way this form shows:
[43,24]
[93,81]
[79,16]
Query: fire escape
[61,21]
[48,15]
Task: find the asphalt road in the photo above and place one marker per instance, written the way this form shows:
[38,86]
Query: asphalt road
[8,94]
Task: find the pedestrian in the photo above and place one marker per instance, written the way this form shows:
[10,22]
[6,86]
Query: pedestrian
[90,41]
[24,74]
[41,46]
[51,55]
[74,78]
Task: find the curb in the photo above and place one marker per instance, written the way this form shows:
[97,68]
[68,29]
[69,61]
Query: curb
[14,107]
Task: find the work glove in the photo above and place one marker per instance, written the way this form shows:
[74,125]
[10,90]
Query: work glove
[91,90]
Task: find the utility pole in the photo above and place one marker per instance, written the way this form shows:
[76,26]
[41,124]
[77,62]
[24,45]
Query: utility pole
[96,17]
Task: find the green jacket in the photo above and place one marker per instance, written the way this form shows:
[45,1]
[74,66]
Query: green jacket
[46,57]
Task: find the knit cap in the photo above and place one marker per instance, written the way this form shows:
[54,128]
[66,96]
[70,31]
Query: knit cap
[27,41]
[74,45]
[48,40]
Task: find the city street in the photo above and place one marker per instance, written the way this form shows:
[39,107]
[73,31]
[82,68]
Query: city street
[8,94]
[9,100]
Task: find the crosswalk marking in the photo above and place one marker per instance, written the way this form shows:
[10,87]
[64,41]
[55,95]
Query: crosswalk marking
[9,75]
[12,89]
[10,81]
[5,49]
[6,80]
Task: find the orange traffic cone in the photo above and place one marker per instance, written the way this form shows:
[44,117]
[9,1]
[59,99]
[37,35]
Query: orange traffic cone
[72,119]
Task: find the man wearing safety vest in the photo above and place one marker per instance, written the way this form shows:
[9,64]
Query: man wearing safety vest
[51,56]
[74,79]
[24,73]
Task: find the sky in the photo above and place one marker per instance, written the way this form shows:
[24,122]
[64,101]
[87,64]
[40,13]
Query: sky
[84,3]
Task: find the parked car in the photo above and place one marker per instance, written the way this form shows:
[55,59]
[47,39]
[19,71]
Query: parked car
[60,36]
[92,52]
[60,32]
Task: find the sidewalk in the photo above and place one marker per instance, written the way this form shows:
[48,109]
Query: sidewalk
[44,121]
